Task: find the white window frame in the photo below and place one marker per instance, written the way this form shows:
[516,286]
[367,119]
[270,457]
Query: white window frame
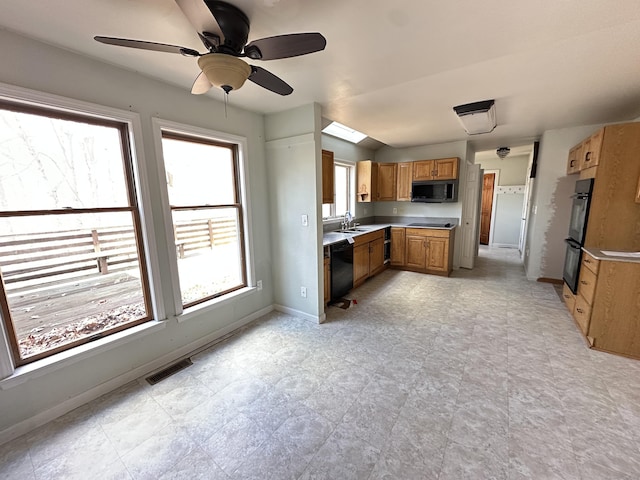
[8,371]
[160,125]
[351,195]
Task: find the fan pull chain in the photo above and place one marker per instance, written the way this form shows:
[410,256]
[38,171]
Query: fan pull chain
[226,101]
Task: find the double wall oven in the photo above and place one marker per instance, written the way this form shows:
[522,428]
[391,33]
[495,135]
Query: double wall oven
[577,229]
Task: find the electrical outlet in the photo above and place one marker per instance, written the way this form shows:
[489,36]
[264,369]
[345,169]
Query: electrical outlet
[259,285]
[395,210]
[303,292]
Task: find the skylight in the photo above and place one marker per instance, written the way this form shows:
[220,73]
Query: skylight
[341,131]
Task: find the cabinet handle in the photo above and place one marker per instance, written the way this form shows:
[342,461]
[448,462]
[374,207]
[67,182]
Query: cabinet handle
[583,282]
[579,310]
[566,296]
[586,260]
[587,157]
[572,163]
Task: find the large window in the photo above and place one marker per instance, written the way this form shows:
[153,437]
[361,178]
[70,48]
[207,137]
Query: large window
[70,236]
[344,174]
[204,195]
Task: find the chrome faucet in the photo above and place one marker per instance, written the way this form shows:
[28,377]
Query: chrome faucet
[346,221]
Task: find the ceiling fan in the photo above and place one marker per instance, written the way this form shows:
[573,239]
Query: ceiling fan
[224,30]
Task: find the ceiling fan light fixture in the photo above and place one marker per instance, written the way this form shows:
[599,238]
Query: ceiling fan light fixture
[224,71]
[502,152]
[477,117]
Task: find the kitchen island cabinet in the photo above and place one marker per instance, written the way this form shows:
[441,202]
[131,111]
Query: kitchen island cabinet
[426,250]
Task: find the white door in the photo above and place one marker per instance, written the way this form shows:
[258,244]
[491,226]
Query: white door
[470,216]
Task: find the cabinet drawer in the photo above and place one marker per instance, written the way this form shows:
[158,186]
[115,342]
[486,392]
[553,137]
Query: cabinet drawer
[582,313]
[568,297]
[368,237]
[590,262]
[429,232]
[587,284]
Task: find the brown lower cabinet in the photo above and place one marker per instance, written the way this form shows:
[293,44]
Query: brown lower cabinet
[607,305]
[422,249]
[368,256]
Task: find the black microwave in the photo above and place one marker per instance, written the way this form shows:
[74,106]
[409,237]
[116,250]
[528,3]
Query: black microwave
[435,191]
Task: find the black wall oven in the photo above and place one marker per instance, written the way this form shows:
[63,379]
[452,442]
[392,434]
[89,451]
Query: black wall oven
[577,230]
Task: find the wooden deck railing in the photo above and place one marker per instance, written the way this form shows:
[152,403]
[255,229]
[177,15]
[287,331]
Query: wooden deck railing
[46,258]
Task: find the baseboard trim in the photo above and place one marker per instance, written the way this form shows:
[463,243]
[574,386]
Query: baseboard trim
[188,350]
[555,281]
[298,313]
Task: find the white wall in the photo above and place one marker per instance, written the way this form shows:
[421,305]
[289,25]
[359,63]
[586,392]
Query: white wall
[294,161]
[513,170]
[551,205]
[33,65]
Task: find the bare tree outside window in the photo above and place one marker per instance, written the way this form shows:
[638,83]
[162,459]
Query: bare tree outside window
[70,242]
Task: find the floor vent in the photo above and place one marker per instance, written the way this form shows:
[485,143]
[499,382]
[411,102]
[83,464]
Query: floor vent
[170,370]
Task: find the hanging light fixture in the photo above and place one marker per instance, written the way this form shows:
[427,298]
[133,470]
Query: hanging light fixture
[502,152]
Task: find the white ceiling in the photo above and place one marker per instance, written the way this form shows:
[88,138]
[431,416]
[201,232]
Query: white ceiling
[393,69]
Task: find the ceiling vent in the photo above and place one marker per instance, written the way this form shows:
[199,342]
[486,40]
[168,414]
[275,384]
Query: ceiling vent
[477,117]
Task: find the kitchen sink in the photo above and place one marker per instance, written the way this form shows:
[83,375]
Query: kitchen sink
[352,230]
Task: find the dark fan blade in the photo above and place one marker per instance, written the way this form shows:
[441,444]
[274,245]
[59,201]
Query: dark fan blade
[201,84]
[268,80]
[285,46]
[158,47]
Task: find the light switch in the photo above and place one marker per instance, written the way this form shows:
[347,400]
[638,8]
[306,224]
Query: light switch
[305,220]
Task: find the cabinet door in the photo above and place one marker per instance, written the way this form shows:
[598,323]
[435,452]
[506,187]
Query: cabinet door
[376,256]
[438,254]
[415,251]
[327,177]
[397,246]
[446,169]
[386,181]
[404,177]
[573,162]
[367,178]
[423,170]
[590,156]
[360,263]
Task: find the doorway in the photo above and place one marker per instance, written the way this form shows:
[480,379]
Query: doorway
[488,185]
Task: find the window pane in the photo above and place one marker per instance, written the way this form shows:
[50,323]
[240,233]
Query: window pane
[198,173]
[47,163]
[342,184]
[326,210]
[209,252]
[70,277]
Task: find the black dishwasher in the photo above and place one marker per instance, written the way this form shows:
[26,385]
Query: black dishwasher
[341,269]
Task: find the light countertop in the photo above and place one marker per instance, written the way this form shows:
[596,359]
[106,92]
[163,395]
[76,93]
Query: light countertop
[600,255]
[336,236]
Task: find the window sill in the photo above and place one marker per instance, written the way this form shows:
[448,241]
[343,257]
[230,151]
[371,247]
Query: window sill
[60,360]
[202,308]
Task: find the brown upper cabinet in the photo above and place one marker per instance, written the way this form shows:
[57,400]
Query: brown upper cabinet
[327,177]
[591,150]
[440,169]
[386,190]
[367,181]
[574,160]
[404,175]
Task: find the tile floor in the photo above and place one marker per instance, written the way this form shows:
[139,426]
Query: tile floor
[479,376]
